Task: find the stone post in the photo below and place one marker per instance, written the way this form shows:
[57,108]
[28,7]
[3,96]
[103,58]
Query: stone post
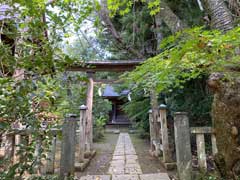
[8,143]
[183,146]
[164,129]
[156,123]
[82,138]
[67,161]
[202,160]
[37,155]
[51,156]
[151,130]
[89,103]
[16,157]
[214,144]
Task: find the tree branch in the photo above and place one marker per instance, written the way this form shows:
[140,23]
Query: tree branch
[104,15]
[170,18]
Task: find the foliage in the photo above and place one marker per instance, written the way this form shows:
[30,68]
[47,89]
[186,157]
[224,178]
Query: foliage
[137,109]
[101,110]
[48,177]
[179,72]
[193,98]
[124,7]
[203,175]
[137,29]
[101,106]
[72,93]
[36,28]
[189,9]
[186,56]
[98,128]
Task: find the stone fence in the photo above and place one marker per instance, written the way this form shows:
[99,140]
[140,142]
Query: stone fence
[74,139]
[182,156]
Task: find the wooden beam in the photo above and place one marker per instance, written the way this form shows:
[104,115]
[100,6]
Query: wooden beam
[107,81]
[108,66]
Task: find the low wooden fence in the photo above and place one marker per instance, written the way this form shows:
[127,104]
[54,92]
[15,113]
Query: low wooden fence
[159,142]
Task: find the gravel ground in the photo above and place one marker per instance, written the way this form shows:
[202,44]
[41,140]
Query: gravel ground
[100,163]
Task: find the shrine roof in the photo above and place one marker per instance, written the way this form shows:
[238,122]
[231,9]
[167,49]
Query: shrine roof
[110,92]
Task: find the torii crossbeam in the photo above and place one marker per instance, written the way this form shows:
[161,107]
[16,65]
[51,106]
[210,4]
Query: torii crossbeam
[107,66]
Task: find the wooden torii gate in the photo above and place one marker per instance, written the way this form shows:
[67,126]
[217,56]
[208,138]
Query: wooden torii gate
[91,67]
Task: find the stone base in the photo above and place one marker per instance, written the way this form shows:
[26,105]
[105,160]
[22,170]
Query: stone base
[90,154]
[170,166]
[116,131]
[154,153]
[87,159]
[82,165]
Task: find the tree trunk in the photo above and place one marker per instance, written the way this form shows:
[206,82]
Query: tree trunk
[220,15]
[226,116]
[226,104]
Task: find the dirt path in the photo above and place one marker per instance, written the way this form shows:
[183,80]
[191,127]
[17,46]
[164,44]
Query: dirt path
[148,163]
[101,162]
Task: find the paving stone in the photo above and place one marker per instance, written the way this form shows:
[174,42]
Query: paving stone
[132,165]
[121,157]
[96,177]
[125,177]
[116,170]
[132,170]
[118,154]
[131,156]
[130,153]
[125,160]
[118,160]
[159,176]
[131,161]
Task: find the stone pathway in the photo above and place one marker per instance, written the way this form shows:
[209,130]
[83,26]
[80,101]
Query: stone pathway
[124,165]
[125,160]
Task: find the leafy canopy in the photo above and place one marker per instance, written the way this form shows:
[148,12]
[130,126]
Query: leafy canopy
[186,56]
[123,7]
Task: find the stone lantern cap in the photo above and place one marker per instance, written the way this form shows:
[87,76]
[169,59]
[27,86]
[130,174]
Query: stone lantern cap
[83,107]
[163,106]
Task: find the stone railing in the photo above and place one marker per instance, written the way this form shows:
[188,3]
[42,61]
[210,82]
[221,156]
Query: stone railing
[183,145]
[159,141]
[200,140]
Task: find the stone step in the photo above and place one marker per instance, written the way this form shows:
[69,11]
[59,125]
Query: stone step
[157,176]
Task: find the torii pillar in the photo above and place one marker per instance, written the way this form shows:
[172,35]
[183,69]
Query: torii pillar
[89,103]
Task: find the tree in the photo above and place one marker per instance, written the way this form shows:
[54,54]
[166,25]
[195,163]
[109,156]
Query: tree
[226,104]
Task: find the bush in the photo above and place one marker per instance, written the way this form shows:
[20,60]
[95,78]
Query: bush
[98,128]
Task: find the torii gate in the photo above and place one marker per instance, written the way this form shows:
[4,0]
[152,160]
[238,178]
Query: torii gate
[91,67]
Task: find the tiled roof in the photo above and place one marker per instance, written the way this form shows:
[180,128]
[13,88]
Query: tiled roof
[110,92]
